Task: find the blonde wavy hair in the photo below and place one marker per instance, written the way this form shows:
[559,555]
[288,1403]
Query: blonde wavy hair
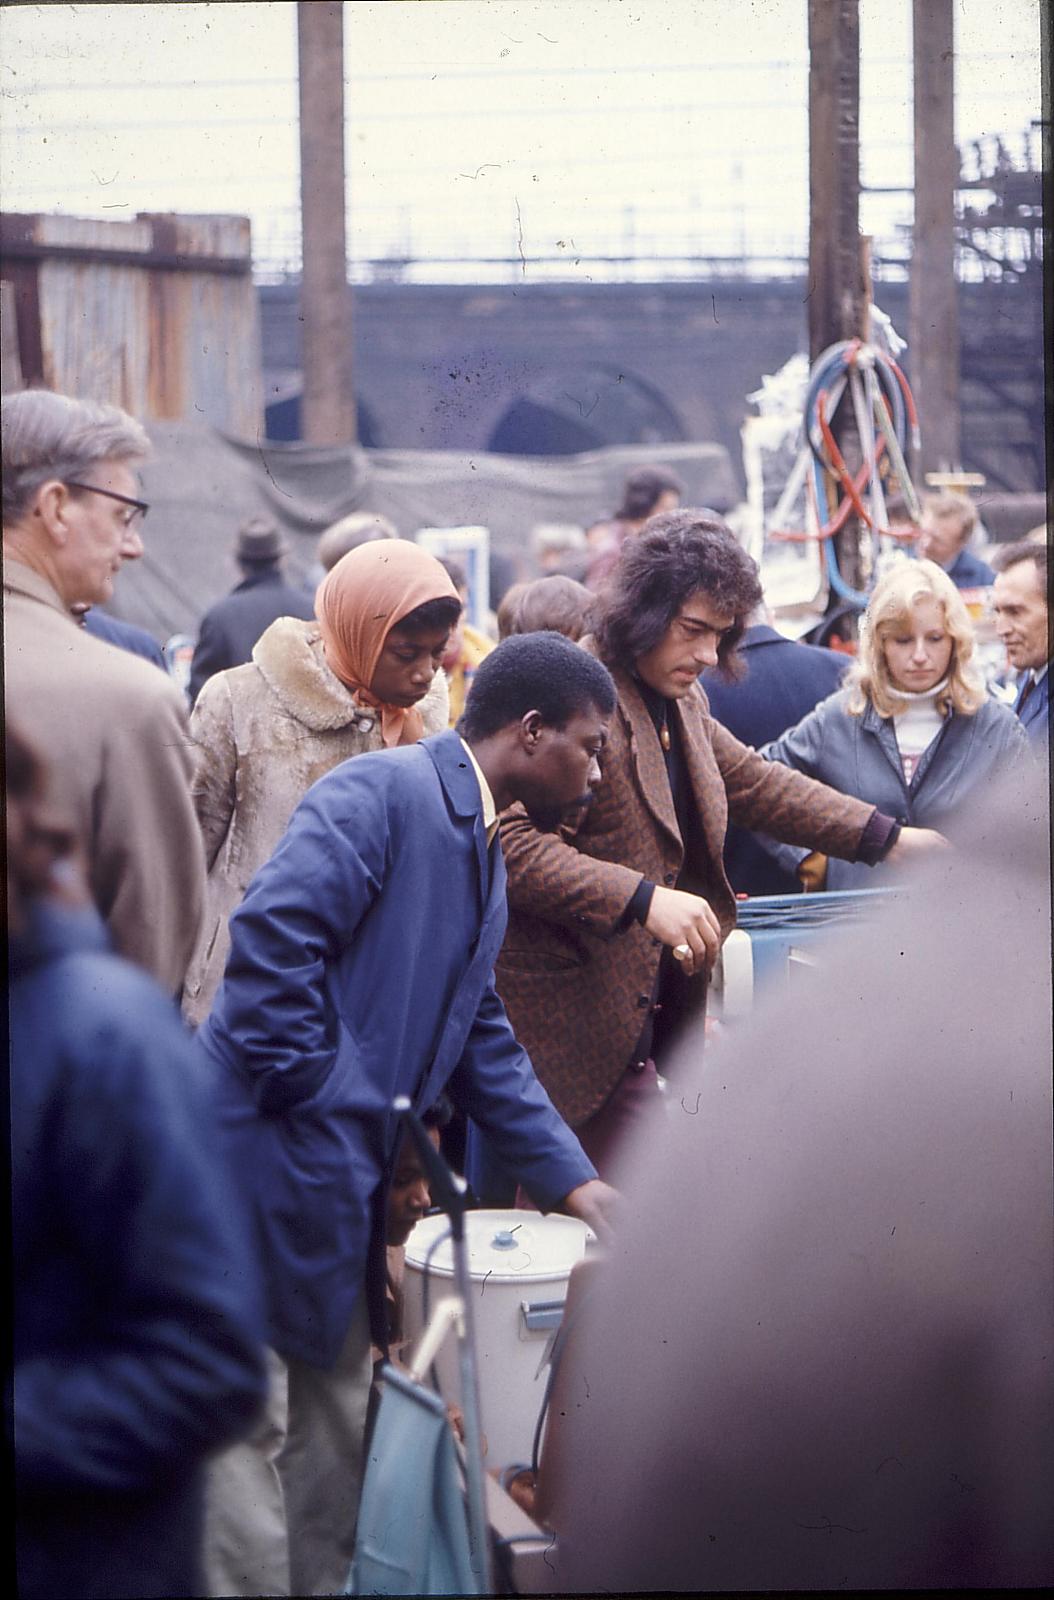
[891,607]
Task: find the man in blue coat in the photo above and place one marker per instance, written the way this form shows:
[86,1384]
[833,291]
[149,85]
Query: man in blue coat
[782,680]
[361,969]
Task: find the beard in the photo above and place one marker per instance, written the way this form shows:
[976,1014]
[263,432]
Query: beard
[547,819]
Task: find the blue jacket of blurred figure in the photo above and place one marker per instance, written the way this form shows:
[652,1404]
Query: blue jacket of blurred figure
[137,1318]
[361,968]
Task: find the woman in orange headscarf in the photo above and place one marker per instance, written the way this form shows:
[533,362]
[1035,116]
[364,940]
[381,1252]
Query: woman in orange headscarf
[364,676]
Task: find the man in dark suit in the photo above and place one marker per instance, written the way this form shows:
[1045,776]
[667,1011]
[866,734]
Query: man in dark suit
[782,681]
[1022,621]
[231,627]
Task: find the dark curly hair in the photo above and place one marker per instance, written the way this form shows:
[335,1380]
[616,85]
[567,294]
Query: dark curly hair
[541,672]
[674,555]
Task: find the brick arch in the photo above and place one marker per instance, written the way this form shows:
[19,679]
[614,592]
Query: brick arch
[584,407]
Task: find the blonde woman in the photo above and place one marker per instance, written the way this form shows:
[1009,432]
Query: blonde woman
[365,675]
[913,731]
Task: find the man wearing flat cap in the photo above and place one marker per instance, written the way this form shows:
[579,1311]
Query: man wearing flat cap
[231,627]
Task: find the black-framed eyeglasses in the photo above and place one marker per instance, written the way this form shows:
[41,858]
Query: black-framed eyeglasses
[139,507]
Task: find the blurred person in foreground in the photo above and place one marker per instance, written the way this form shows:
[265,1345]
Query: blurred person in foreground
[913,731]
[361,968]
[113,730]
[949,521]
[617,918]
[647,492]
[136,1318]
[365,675]
[840,1337]
[781,680]
[231,627]
[553,603]
[1021,606]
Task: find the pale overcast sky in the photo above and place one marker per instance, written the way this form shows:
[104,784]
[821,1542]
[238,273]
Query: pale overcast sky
[654,127]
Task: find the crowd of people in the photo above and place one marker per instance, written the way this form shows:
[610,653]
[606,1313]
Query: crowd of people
[386,854]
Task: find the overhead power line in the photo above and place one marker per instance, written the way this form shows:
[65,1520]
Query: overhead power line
[436,71]
[708,110]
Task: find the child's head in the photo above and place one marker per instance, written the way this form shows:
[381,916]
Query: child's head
[409,1197]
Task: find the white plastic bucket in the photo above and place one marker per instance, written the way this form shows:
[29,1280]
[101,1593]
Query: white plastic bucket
[519,1263]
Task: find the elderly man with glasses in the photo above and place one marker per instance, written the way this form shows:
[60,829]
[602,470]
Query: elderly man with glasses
[111,729]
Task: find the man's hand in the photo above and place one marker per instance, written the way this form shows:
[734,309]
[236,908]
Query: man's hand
[680,919]
[915,844]
[596,1203]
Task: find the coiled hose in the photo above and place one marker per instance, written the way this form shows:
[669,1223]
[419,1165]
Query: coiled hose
[885,414]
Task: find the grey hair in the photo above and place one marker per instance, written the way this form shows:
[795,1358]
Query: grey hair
[361,527]
[48,435]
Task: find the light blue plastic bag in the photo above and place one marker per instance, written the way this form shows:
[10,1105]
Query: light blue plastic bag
[412,1533]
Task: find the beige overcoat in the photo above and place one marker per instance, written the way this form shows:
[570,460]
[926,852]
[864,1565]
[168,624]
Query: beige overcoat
[113,730]
[264,734]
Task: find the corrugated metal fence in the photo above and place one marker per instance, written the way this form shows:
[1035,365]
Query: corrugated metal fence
[159,315]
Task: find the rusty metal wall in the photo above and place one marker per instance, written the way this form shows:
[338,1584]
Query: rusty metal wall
[10,351]
[158,315]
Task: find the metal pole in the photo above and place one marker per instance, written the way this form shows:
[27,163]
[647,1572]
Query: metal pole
[837,294]
[451,1192]
[933,347]
[478,1527]
[328,405]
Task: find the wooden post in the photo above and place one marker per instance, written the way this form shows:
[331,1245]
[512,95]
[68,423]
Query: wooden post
[328,405]
[933,328]
[837,298]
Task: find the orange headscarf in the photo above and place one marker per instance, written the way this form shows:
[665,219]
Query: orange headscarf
[357,605]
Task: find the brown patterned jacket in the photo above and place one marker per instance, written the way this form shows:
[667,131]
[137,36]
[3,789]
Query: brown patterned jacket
[577,989]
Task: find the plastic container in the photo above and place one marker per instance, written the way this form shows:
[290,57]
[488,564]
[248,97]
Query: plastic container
[779,936]
[519,1263]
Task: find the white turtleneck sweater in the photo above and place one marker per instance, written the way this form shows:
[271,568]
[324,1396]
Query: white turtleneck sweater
[917,725]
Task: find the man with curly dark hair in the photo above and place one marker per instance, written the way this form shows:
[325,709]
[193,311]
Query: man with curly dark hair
[617,919]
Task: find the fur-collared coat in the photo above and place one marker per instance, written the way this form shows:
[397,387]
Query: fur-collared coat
[265,733]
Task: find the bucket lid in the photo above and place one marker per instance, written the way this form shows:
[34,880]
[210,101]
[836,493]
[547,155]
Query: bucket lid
[503,1246]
